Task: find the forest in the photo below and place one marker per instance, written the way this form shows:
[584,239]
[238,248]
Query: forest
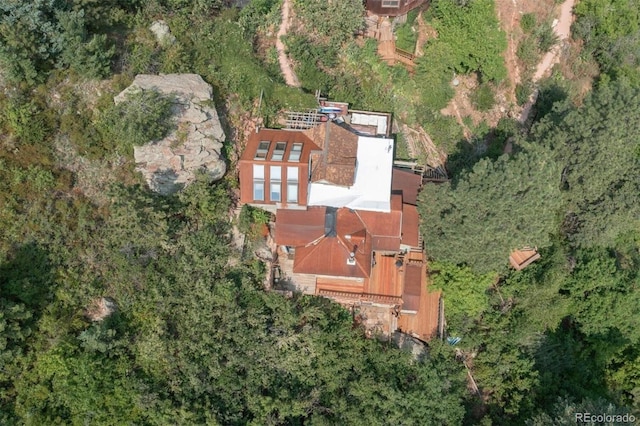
[192,337]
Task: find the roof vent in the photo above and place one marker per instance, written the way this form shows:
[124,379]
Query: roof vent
[348,236]
[352,259]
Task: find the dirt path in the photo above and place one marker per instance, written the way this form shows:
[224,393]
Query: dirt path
[562,30]
[510,23]
[423,34]
[285,65]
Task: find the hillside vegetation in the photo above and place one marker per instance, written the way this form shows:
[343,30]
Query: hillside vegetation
[120,306]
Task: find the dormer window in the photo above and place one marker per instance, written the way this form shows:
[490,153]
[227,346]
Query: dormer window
[263,149]
[296,152]
[278,151]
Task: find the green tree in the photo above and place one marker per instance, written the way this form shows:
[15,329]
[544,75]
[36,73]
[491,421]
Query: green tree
[597,146]
[472,37]
[610,31]
[497,207]
[36,36]
[465,295]
[565,409]
[25,120]
[29,38]
[89,56]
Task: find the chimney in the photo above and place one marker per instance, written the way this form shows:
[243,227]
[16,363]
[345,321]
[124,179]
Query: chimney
[352,259]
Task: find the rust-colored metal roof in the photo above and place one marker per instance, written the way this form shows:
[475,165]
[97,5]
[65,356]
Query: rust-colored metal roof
[336,163]
[287,158]
[329,255]
[299,227]
[276,135]
[410,226]
[408,183]
[385,228]
[424,324]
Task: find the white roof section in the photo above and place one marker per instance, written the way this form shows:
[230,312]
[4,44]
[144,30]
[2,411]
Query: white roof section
[380,121]
[371,189]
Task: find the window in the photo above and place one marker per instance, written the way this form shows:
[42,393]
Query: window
[292,184]
[258,171]
[292,174]
[275,191]
[292,192]
[296,151]
[263,149]
[258,190]
[258,182]
[278,151]
[390,3]
[275,174]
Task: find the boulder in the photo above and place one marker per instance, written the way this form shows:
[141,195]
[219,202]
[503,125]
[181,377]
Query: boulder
[195,144]
[162,32]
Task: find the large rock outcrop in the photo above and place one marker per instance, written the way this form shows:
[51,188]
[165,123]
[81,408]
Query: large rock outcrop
[195,144]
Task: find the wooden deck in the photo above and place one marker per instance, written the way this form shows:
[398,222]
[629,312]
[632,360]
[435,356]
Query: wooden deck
[424,324]
[386,278]
[520,259]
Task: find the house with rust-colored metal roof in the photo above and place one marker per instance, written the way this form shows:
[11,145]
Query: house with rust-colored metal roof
[346,224]
[274,169]
[392,7]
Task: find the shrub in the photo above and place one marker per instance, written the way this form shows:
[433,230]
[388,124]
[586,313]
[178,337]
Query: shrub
[252,221]
[547,38]
[141,118]
[528,51]
[528,22]
[469,38]
[25,121]
[406,37]
[483,98]
[444,131]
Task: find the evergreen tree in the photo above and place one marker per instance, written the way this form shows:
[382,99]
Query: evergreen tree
[598,149]
[499,206]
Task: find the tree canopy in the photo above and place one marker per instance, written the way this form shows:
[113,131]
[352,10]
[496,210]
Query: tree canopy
[118,305]
[497,207]
[597,146]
